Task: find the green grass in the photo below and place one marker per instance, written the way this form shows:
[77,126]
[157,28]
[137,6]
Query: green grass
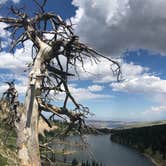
[7,148]
[3,161]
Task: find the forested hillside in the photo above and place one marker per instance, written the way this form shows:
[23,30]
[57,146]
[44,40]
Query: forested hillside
[150,140]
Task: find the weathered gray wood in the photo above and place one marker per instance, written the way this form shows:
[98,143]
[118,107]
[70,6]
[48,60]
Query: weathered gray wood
[30,108]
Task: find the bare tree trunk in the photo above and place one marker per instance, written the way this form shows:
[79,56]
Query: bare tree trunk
[27,140]
[27,128]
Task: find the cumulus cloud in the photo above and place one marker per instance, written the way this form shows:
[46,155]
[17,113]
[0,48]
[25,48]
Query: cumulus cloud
[4,1]
[85,93]
[4,35]
[16,1]
[16,62]
[156,110]
[9,61]
[21,82]
[102,73]
[154,113]
[95,88]
[112,26]
[12,66]
[143,84]
[152,87]
[98,73]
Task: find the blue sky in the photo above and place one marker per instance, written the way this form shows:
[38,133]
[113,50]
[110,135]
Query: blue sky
[133,32]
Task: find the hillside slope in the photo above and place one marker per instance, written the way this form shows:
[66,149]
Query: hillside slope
[150,140]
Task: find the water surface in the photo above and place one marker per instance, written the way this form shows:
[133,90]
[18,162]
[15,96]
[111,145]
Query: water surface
[110,153]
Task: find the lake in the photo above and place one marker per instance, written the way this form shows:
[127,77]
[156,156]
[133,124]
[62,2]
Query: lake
[108,152]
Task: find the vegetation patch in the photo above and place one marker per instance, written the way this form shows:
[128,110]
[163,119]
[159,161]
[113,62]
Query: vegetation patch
[149,140]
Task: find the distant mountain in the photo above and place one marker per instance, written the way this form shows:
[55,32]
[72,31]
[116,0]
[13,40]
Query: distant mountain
[109,124]
[143,124]
[122,124]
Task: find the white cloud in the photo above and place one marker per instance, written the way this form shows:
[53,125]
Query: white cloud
[156,110]
[17,61]
[102,73]
[144,84]
[15,64]
[138,80]
[4,1]
[95,88]
[113,26]
[21,86]
[131,70]
[159,98]
[154,113]
[85,94]
[9,61]
[16,1]
[4,33]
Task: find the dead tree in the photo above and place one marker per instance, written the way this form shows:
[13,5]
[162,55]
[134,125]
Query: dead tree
[48,73]
[10,96]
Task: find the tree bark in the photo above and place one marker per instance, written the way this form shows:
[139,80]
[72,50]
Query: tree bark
[27,128]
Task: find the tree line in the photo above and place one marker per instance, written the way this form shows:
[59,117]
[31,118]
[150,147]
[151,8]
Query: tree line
[86,163]
[151,137]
